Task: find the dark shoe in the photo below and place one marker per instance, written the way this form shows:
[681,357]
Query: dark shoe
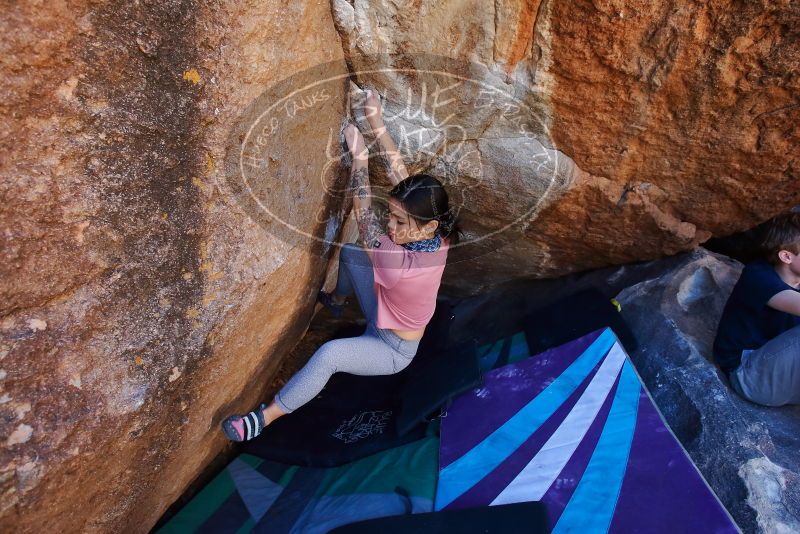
[327,300]
[245,427]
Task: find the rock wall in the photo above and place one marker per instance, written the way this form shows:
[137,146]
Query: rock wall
[140,303]
[145,293]
[681,119]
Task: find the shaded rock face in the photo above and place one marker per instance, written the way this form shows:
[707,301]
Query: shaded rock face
[145,295]
[675,122]
[747,453]
[140,303]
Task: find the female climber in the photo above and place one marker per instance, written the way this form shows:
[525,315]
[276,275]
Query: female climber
[395,277]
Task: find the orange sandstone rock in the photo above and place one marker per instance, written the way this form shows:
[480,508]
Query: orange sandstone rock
[681,120]
[132,281]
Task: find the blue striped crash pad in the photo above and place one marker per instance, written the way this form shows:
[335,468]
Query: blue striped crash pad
[573,427]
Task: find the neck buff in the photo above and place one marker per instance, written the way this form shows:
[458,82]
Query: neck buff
[425,245]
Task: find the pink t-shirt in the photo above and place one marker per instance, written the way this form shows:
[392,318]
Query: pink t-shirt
[406,284]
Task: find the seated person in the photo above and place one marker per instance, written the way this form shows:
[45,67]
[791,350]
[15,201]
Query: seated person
[758,338]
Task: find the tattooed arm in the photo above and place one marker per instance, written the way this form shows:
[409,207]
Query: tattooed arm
[395,168]
[369,227]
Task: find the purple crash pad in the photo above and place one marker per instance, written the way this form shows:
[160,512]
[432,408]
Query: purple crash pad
[573,427]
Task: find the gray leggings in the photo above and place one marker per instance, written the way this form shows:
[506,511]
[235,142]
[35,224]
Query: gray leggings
[770,375]
[377,351]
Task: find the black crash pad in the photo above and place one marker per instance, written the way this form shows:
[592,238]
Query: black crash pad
[518,518]
[572,317]
[355,416]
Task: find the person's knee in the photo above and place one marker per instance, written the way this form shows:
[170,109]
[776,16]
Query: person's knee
[326,358]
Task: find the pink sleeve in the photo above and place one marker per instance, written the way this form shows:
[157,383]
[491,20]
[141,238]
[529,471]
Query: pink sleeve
[389,261]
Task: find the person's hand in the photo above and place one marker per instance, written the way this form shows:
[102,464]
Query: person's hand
[355,142]
[373,110]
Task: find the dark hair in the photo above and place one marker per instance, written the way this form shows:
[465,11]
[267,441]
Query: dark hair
[781,233]
[424,198]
